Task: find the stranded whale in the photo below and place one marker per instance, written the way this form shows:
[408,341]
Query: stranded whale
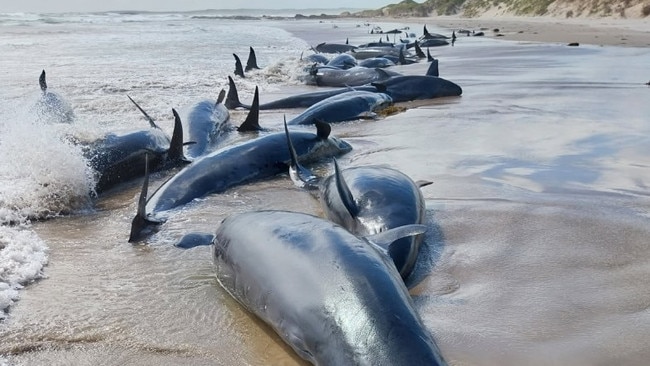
[333,297]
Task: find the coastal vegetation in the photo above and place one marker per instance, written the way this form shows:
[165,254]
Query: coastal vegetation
[475,8]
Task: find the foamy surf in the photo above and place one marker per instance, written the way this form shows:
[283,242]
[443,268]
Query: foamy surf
[42,175]
[22,257]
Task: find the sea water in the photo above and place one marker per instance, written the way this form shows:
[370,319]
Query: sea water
[537,251]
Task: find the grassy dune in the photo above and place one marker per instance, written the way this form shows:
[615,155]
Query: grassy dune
[473,8]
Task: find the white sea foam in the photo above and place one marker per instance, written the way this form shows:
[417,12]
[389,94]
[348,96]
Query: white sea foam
[22,257]
[41,174]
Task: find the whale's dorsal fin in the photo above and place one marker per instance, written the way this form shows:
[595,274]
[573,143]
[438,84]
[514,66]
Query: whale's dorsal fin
[152,123]
[433,68]
[142,200]
[175,152]
[239,70]
[232,99]
[402,59]
[425,32]
[381,87]
[221,97]
[300,176]
[344,192]
[193,240]
[140,224]
[42,82]
[418,50]
[423,183]
[429,57]
[252,121]
[383,240]
[252,60]
[323,129]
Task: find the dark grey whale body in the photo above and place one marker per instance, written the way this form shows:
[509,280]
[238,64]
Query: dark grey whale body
[207,121]
[119,158]
[333,297]
[368,200]
[334,47]
[222,169]
[355,76]
[404,88]
[295,101]
[343,107]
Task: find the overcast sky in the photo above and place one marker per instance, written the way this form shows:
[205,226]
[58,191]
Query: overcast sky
[46,6]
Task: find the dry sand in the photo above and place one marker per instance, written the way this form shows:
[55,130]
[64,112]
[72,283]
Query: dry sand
[596,31]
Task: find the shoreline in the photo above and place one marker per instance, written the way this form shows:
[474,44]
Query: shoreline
[593,31]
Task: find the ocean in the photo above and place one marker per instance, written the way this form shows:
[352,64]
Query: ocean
[537,251]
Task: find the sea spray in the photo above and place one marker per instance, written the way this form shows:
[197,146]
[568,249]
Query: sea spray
[42,175]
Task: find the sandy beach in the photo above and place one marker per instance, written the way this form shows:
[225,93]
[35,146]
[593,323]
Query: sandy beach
[633,32]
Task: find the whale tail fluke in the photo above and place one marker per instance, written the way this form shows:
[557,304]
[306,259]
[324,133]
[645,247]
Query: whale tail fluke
[300,176]
[141,226]
[252,60]
[42,82]
[239,70]
[252,121]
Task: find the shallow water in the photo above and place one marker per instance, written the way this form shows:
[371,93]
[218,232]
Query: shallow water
[537,252]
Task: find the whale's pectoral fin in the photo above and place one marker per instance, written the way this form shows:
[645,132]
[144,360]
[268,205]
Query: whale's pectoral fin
[344,192]
[42,82]
[152,123]
[252,122]
[239,69]
[367,115]
[385,239]
[423,183]
[141,225]
[300,176]
[194,240]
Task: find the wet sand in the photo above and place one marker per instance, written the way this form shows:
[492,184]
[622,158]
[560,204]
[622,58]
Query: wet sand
[595,31]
